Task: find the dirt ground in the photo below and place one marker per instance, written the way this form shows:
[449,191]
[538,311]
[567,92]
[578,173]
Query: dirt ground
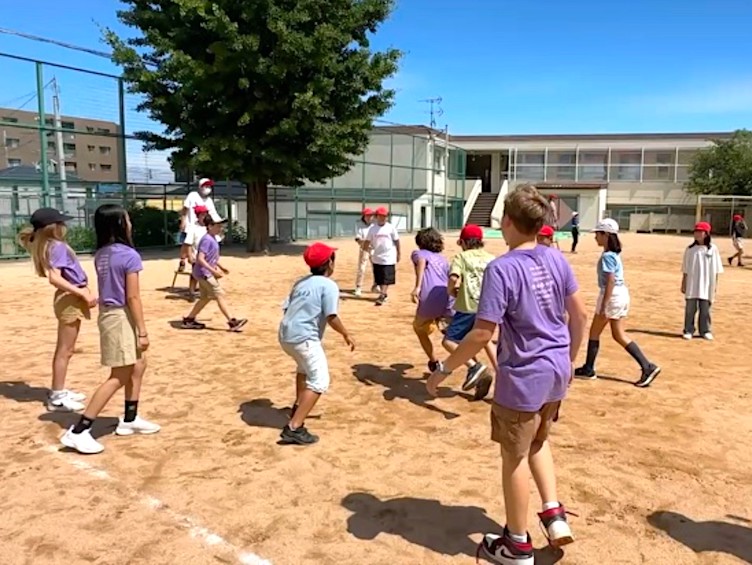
[656,476]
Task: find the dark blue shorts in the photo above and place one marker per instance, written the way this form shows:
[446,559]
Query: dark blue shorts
[460,326]
[181,237]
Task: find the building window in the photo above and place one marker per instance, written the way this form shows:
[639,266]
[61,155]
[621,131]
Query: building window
[90,129]
[104,150]
[71,147]
[105,167]
[10,119]
[14,162]
[626,165]
[91,147]
[593,165]
[12,142]
[561,164]
[67,125]
[92,166]
[70,166]
[659,165]
[103,130]
[529,165]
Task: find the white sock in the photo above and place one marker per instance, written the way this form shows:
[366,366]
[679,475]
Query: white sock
[550,505]
[57,394]
[518,538]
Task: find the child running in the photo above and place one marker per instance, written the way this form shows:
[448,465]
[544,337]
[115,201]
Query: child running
[122,330]
[430,292]
[364,256]
[193,237]
[54,259]
[465,283]
[545,236]
[612,306]
[310,307]
[383,239]
[207,270]
[738,231]
[531,295]
[700,269]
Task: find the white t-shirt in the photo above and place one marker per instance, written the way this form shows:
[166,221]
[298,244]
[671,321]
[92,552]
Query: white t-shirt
[193,235]
[701,266]
[383,241]
[195,199]
[361,230]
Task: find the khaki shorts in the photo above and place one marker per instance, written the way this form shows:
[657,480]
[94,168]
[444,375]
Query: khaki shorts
[516,431]
[738,243]
[209,288]
[118,337]
[70,308]
[425,326]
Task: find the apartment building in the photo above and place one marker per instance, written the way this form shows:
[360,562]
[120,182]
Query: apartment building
[90,147]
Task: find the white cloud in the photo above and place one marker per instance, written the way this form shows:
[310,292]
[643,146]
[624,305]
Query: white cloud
[711,97]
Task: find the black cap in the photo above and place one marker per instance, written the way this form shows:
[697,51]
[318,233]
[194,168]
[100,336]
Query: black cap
[47,216]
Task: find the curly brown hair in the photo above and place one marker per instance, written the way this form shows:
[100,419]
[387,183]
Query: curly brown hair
[430,240]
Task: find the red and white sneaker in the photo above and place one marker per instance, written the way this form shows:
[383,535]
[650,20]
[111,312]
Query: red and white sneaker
[555,526]
[505,551]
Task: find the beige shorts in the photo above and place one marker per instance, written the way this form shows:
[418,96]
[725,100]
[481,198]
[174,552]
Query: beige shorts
[118,337]
[617,306]
[738,243]
[210,288]
[70,308]
[516,431]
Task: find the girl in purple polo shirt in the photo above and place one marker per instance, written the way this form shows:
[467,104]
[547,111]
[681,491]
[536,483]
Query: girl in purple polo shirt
[56,261]
[122,330]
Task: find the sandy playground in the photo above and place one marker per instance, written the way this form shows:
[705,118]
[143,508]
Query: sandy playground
[656,476]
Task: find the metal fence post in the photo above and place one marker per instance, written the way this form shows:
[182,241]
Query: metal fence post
[123,173]
[42,135]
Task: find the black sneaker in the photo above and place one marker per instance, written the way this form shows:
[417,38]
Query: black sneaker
[237,325]
[504,550]
[301,436]
[483,387]
[381,299]
[474,374]
[192,324]
[586,373]
[433,366]
[648,376]
[730,261]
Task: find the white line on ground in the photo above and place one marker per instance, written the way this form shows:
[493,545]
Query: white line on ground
[194,528]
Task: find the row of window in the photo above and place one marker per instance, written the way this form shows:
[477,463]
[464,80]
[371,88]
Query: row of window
[584,173]
[70,166]
[63,124]
[15,143]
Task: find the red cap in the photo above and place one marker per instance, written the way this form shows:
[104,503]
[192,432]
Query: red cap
[200,209]
[702,226]
[381,211]
[317,254]
[471,231]
[367,212]
[737,217]
[546,231]
[205,182]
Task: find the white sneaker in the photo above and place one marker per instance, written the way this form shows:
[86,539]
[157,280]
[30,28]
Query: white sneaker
[688,337]
[358,292]
[63,402]
[77,396]
[708,336]
[83,443]
[137,426]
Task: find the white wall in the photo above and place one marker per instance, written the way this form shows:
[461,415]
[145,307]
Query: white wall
[649,194]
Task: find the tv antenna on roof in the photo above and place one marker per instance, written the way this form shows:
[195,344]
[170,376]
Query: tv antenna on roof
[435,109]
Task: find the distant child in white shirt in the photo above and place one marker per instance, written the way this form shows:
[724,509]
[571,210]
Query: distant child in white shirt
[361,234]
[700,269]
[383,239]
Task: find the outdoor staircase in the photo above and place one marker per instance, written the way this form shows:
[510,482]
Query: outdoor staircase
[481,212]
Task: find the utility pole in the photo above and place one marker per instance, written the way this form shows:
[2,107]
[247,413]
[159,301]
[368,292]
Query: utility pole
[59,144]
[446,178]
[435,110]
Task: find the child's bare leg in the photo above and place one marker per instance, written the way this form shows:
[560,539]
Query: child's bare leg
[425,339]
[222,303]
[515,478]
[67,334]
[133,386]
[192,284]
[306,401]
[542,467]
[119,377]
[300,387]
[196,310]
[618,333]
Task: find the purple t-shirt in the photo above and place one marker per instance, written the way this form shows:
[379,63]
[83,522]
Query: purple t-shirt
[524,292]
[209,246]
[434,301]
[113,263]
[62,258]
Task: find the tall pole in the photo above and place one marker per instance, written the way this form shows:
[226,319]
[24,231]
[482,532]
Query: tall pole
[59,144]
[42,135]
[446,177]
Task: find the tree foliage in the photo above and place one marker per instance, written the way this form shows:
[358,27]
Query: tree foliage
[261,91]
[723,168]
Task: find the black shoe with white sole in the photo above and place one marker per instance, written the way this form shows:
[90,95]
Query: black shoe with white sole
[474,374]
[648,376]
[299,436]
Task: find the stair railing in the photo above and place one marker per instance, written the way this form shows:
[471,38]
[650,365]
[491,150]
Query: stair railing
[471,198]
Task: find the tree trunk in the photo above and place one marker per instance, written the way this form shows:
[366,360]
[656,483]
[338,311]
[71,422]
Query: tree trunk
[257,213]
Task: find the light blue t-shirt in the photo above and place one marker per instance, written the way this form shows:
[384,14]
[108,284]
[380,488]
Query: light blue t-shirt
[311,301]
[610,262]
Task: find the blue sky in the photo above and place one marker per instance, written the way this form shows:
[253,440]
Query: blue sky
[530,66]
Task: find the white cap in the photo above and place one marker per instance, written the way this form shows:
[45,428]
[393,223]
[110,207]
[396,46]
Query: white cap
[607,225]
[204,181]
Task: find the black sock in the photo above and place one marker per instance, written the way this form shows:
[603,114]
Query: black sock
[83,424]
[294,409]
[592,352]
[634,350]
[131,410]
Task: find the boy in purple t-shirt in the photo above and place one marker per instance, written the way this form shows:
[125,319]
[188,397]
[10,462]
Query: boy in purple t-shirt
[207,271]
[527,293]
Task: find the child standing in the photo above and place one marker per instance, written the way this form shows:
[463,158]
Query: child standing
[612,306]
[465,283]
[55,260]
[531,295]
[700,269]
[383,239]
[310,307]
[361,234]
[575,231]
[122,330]
[738,231]
[193,237]
[430,292]
[207,271]
[545,236]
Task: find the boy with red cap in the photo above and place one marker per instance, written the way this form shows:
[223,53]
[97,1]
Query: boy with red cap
[738,231]
[193,236]
[311,306]
[199,197]
[545,236]
[700,269]
[383,239]
[465,282]
[361,233]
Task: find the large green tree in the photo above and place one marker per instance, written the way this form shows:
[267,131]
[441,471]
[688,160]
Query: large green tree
[261,91]
[723,168]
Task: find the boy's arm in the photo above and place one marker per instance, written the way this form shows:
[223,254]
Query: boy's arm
[420,269]
[684,283]
[453,286]
[56,279]
[607,292]
[575,307]
[399,249]
[202,262]
[336,324]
